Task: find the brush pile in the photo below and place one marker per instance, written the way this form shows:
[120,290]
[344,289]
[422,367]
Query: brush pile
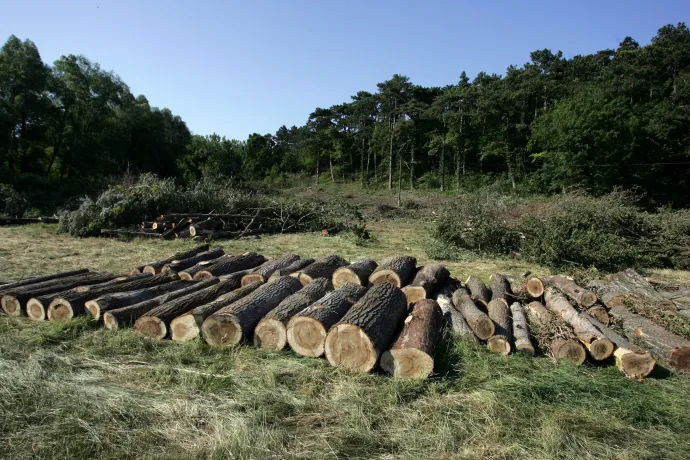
[361,314]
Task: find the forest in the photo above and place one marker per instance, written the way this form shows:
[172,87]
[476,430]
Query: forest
[618,118]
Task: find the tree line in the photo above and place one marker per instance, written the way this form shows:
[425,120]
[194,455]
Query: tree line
[615,118]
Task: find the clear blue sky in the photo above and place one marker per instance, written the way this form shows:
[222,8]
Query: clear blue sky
[235,68]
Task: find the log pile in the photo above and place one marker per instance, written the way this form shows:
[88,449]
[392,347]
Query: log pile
[360,315]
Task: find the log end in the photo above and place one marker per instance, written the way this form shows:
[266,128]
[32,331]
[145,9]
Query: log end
[203,275]
[587,298]
[343,276]
[93,308]
[413,294]
[221,331]
[252,277]
[35,310]
[150,269]
[408,363]
[60,310]
[134,271]
[634,365]
[535,287]
[270,334]
[386,276]
[526,349]
[184,328]
[185,276]
[306,336]
[152,327]
[110,321]
[484,328]
[499,344]
[680,359]
[569,350]
[11,305]
[348,346]
[600,348]
[304,279]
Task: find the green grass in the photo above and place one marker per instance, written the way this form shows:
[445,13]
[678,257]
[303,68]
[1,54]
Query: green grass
[74,390]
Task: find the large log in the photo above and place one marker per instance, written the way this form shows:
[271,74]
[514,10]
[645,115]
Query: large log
[666,347]
[265,270]
[478,290]
[205,225]
[598,345]
[525,288]
[208,257]
[232,264]
[500,289]
[427,280]
[294,267]
[322,268]
[39,279]
[502,340]
[477,320]
[582,296]
[553,335]
[520,330]
[306,331]
[396,271]
[182,224]
[355,273]
[452,318]
[412,353]
[634,362]
[187,327]
[158,265]
[271,332]
[235,322]
[367,329]
[14,300]
[191,272]
[126,316]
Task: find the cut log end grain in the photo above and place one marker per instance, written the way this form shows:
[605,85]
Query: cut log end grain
[151,270]
[499,344]
[306,336]
[203,275]
[600,348]
[304,279]
[587,298]
[345,275]
[60,311]
[109,321]
[185,276]
[568,350]
[349,346]
[152,327]
[252,277]
[219,333]
[396,271]
[407,363]
[93,308]
[480,323]
[386,276]
[184,328]
[680,359]
[270,334]
[35,310]
[11,305]
[535,287]
[634,364]
[414,294]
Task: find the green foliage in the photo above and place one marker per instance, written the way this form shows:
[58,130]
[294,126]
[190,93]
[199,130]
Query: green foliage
[13,203]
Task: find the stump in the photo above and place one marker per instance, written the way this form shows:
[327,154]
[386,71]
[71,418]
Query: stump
[427,280]
[501,341]
[396,271]
[265,270]
[480,323]
[553,335]
[520,330]
[355,273]
[323,268]
[478,290]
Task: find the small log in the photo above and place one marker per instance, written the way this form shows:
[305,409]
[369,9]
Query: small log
[520,330]
[396,270]
[178,265]
[147,225]
[296,266]
[111,233]
[501,341]
[478,290]
[634,362]
[158,265]
[477,320]
[425,282]
[187,327]
[126,316]
[182,224]
[235,322]
[39,279]
[232,264]
[307,330]
[500,289]
[265,270]
[553,335]
[271,332]
[355,273]
[412,353]
[160,227]
[205,225]
[600,313]
[598,345]
[191,272]
[322,268]
[368,328]
[582,296]
[524,287]
[452,319]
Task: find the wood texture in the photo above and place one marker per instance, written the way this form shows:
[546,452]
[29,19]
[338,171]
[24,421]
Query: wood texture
[477,320]
[478,290]
[523,344]
[232,264]
[452,319]
[525,288]
[39,279]
[100,305]
[296,266]
[500,289]
[553,335]
[178,265]
[395,270]
[356,273]
[502,340]
[578,294]
[157,266]
[634,362]
[425,282]
[264,271]
[322,268]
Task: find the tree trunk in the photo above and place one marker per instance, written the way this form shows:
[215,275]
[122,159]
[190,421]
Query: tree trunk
[412,168]
[553,335]
[395,270]
[355,273]
[235,322]
[400,179]
[318,164]
[294,267]
[126,316]
[478,290]
[178,265]
[634,362]
[411,355]
[330,164]
[306,331]
[479,322]
[598,345]
[367,329]
[452,318]
[425,282]
[271,333]
[525,288]
[574,292]
[390,156]
[232,264]
[500,289]
[199,228]
[322,268]
[520,330]
[501,341]
[40,279]
[190,273]
[265,270]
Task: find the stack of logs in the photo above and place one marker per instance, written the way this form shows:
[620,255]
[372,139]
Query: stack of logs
[362,314]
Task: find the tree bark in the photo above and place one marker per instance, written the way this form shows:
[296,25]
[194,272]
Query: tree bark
[478,290]
[452,319]
[634,362]
[40,279]
[500,289]
[367,329]
[265,270]
[395,270]
[582,296]
[190,273]
[178,265]
[412,353]
[553,335]
[502,340]
[600,313]
[292,268]
[159,264]
[232,264]
[271,332]
[477,320]
[235,322]
[520,330]
[205,225]
[425,282]
[525,288]
[183,224]
[307,330]
[322,268]
[355,273]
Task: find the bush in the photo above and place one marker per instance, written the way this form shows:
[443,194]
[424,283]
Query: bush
[12,202]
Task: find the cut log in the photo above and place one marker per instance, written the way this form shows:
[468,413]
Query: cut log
[292,268]
[520,330]
[477,320]
[265,270]
[322,268]
[582,296]
[355,273]
[502,340]
[112,233]
[634,362]
[426,282]
[191,272]
[553,335]
[500,289]
[40,279]
[14,300]
[187,327]
[232,264]
[271,332]
[666,347]
[396,271]
[598,345]
[452,319]
[126,316]
[205,225]
[412,353]
[182,224]
[306,331]
[478,290]
[100,305]
[160,227]
[235,322]
[178,265]
[525,288]
[600,313]
[367,329]
[158,265]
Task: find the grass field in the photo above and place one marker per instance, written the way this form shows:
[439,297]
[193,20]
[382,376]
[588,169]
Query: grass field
[74,390]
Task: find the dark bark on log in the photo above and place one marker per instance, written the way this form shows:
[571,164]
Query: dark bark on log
[553,335]
[500,289]
[232,264]
[306,331]
[182,224]
[40,279]
[452,319]
[322,268]
[367,329]
[108,233]
[525,288]
[205,225]
[478,290]
[178,265]
[477,320]
[502,340]
[160,227]
[634,362]
[582,296]
[265,270]
[271,333]
[231,324]
[355,273]
[292,268]
[520,330]
[100,305]
[426,282]
[412,353]
[191,272]
[159,264]
[396,270]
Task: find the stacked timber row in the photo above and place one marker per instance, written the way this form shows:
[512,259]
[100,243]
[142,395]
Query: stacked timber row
[360,314]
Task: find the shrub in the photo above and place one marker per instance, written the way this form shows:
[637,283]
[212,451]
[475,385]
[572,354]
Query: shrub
[12,202]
